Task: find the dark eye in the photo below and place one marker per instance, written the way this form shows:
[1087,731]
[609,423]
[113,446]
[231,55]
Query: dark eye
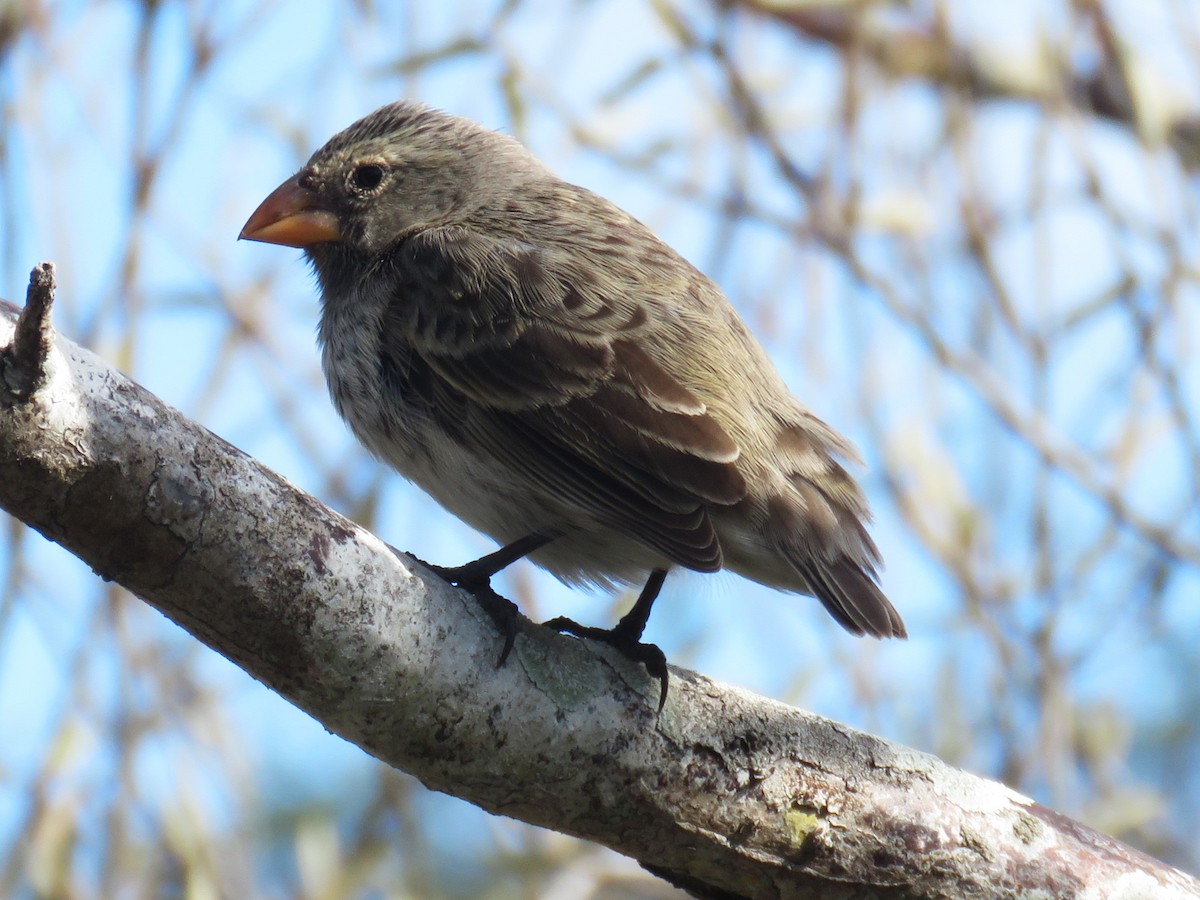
[366,177]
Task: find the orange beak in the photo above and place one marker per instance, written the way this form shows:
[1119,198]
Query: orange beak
[291,216]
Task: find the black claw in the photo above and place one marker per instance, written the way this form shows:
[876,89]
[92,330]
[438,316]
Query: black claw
[655,662]
[506,616]
[649,655]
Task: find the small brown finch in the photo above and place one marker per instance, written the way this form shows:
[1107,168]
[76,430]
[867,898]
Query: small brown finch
[555,375]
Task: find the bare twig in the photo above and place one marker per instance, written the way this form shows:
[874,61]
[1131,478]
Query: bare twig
[23,362]
[916,49]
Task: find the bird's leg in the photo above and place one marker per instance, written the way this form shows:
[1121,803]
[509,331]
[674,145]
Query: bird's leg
[476,577]
[626,636]
[478,573]
[633,623]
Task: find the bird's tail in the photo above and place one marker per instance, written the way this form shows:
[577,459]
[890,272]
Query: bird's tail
[848,590]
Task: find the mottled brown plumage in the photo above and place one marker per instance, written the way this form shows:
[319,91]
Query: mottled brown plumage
[540,363]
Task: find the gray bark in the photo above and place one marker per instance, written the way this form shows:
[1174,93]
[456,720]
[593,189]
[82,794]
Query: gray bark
[724,793]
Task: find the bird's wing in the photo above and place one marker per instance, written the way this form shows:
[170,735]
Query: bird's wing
[549,378]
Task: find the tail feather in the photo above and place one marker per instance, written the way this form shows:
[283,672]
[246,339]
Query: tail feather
[851,596]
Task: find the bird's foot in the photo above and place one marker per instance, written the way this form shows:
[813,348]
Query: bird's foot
[504,614]
[625,641]
[476,580]
[477,575]
[471,577]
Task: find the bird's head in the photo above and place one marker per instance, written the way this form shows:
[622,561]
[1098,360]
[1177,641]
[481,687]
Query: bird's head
[404,168]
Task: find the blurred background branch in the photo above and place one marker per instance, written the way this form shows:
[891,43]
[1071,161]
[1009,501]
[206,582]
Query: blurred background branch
[966,231]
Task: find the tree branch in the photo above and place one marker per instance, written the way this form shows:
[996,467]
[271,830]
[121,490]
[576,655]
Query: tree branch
[726,794]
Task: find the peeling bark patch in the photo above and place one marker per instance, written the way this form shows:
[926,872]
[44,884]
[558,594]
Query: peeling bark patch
[318,552]
[338,531]
[1027,828]
[919,839]
[179,503]
[804,822]
[1044,877]
[978,843]
[1100,844]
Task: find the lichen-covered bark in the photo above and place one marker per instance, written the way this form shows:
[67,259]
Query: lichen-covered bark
[725,793]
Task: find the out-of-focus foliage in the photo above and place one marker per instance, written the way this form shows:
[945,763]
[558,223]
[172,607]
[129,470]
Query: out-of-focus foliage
[966,231]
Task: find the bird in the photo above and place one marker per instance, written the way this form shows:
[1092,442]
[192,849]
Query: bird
[552,373]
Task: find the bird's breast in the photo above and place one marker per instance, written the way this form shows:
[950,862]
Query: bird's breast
[376,381]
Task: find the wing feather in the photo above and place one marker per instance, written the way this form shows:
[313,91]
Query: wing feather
[557,389]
